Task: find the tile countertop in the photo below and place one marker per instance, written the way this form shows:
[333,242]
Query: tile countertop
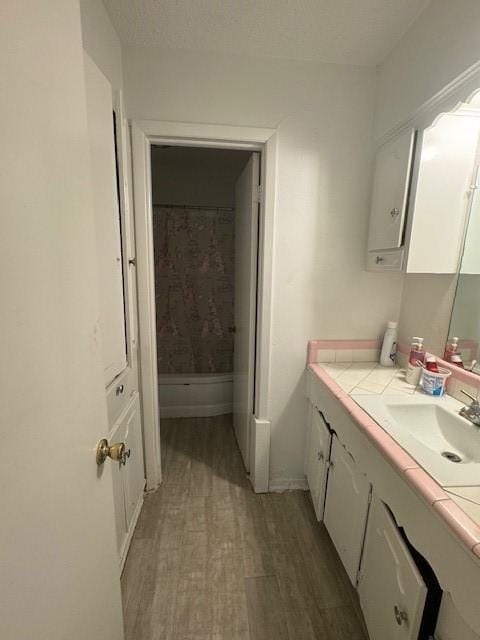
[459,506]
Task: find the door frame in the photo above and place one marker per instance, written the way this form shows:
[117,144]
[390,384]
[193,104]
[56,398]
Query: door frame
[144,134]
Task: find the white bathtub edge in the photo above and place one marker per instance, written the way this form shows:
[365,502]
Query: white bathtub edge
[195,411]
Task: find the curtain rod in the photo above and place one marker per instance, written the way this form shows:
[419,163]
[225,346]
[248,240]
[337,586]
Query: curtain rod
[193,206]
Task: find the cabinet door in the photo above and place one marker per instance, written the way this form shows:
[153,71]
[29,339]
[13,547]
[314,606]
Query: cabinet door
[316,460]
[107,220]
[346,507]
[390,192]
[134,475]
[392,592]
[118,435]
[128,477]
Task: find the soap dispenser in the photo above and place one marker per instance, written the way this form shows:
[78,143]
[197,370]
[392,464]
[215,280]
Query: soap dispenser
[451,350]
[415,361]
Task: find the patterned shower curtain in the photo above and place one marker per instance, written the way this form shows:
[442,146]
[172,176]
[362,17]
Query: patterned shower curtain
[194,265]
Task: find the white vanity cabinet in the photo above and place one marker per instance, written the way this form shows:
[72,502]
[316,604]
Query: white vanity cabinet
[346,507]
[317,459]
[391,590]
[387,571]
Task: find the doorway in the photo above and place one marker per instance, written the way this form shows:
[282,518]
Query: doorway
[205,237]
[145,135]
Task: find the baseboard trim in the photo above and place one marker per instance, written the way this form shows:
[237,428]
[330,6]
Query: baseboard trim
[195,411]
[277,485]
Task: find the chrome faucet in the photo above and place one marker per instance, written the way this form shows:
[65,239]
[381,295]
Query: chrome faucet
[472,412]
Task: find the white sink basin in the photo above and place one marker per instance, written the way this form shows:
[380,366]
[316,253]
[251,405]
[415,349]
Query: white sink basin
[446,445]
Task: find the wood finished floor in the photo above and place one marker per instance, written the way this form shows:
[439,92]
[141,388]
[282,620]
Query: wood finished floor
[211,560]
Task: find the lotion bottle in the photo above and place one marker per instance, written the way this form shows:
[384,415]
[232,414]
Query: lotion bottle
[389,346]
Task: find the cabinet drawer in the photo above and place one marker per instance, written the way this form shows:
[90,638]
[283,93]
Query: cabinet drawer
[120,394]
[385,260]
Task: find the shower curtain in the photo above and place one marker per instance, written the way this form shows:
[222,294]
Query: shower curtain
[194,288]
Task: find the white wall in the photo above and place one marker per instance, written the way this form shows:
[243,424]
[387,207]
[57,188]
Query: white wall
[196,176]
[324,119]
[440,45]
[100,40]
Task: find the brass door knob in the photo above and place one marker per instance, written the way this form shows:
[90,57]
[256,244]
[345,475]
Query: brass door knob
[115,451]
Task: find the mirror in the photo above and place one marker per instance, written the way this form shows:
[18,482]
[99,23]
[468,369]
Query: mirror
[465,319]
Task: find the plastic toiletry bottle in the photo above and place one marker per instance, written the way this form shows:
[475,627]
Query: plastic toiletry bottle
[417,358]
[431,364]
[451,349]
[456,359]
[389,346]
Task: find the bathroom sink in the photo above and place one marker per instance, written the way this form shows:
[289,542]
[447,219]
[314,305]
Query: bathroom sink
[442,442]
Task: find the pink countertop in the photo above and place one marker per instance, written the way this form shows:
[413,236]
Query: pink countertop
[466,529]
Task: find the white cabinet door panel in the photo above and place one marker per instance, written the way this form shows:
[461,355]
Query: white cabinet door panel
[346,507]
[390,192]
[316,461]
[134,475]
[129,478]
[392,592]
[107,220]
[118,435]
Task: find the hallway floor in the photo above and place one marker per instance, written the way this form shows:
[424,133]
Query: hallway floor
[211,560]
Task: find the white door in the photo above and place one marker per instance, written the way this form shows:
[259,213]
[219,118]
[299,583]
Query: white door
[346,507]
[107,219]
[58,563]
[391,590]
[246,244]
[390,192]
[317,460]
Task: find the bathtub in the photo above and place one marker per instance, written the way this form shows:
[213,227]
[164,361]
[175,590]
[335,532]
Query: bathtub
[194,395]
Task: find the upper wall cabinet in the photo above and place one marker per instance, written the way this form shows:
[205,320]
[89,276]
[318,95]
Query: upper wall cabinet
[421,191]
[390,192]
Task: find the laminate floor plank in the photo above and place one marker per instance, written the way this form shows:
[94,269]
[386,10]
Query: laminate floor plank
[211,560]
[265,610]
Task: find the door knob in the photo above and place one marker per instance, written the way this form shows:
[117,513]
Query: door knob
[115,451]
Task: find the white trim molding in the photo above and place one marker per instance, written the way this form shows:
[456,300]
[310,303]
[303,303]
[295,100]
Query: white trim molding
[447,99]
[144,134]
[279,485]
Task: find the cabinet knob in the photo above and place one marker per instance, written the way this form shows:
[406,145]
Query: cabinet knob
[400,616]
[395,212]
[379,260]
[119,390]
[320,456]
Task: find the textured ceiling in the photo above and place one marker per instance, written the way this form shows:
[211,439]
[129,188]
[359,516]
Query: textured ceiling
[340,31]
